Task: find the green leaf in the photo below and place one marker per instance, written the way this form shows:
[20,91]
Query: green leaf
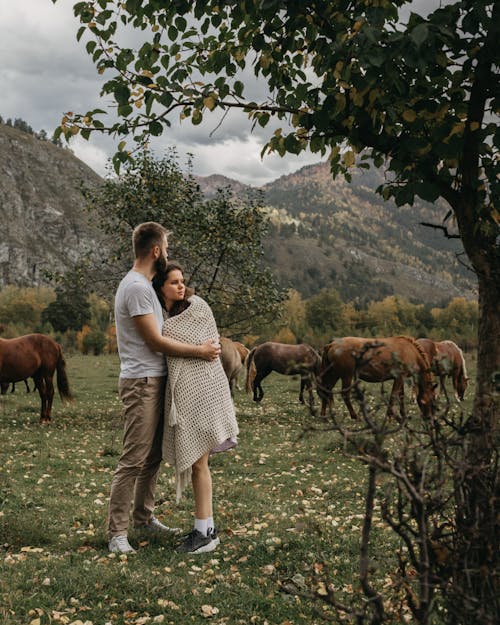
[155,128]
[263,119]
[292,145]
[180,23]
[196,117]
[122,94]
[419,34]
[125,110]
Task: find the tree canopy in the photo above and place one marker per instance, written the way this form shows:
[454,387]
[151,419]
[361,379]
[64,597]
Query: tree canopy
[339,71]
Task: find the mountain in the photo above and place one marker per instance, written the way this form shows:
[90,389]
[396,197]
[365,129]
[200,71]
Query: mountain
[323,232]
[44,227]
[331,233]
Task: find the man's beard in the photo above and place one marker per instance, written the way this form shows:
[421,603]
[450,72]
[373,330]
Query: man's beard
[160,265]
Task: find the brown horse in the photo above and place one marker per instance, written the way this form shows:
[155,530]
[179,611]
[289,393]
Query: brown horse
[233,355]
[35,356]
[447,360]
[300,359]
[376,360]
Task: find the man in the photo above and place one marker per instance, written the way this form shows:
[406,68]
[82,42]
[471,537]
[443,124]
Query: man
[141,347]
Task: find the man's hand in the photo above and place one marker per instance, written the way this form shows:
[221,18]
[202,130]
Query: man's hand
[210,350]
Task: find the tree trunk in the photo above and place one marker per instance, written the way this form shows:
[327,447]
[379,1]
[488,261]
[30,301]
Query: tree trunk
[475,583]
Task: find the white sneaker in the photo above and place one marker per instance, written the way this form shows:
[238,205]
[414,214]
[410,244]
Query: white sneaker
[120,544]
[153,525]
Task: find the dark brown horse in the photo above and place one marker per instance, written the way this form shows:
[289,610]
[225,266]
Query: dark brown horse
[447,360]
[300,359]
[4,387]
[233,355]
[35,356]
[376,360]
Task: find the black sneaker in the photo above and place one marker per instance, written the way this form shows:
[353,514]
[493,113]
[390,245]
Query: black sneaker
[214,534]
[196,542]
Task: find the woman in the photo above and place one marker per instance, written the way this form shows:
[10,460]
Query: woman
[199,412]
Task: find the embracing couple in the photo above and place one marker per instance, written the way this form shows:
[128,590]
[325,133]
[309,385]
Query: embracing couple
[175,395]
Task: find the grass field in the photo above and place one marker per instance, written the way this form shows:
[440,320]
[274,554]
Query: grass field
[289,505]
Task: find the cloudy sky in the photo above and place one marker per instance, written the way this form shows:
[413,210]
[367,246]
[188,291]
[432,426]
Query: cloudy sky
[45,72]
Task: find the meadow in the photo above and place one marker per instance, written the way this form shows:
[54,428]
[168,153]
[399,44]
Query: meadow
[289,504]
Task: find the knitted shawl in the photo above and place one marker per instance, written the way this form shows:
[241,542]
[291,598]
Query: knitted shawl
[199,411]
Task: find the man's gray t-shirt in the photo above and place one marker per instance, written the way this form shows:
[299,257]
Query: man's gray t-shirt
[135,296]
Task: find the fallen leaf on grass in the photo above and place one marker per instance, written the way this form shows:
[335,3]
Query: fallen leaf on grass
[321,589]
[209,610]
[166,603]
[32,549]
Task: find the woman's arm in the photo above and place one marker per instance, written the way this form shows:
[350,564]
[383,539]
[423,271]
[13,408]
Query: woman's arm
[147,327]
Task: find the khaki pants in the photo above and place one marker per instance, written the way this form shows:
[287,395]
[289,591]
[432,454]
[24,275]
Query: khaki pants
[137,471]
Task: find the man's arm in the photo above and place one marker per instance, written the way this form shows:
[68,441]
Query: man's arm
[147,327]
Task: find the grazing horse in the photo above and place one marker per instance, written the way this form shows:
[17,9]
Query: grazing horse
[299,359]
[35,356]
[4,387]
[376,360]
[233,355]
[447,360]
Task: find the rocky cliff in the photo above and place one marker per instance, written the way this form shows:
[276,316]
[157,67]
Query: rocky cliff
[43,224]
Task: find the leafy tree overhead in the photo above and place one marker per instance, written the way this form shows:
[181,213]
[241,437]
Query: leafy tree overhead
[355,81]
[219,242]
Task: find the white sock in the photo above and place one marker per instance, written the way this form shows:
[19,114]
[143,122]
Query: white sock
[210,524]
[201,525]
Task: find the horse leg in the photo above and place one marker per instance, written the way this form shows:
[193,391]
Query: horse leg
[454,379]
[49,386]
[397,389]
[443,388]
[40,386]
[303,382]
[346,395]
[258,392]
[306,385]
[311,394]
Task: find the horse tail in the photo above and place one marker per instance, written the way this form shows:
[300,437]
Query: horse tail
[62,378]
[251,371]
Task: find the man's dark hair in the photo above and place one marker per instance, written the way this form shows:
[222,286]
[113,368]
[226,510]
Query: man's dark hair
[146,235]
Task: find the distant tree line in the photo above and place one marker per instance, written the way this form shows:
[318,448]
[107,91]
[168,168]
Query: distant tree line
[23,126]
[84,321]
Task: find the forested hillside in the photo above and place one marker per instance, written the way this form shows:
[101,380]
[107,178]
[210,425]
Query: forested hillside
[330,233]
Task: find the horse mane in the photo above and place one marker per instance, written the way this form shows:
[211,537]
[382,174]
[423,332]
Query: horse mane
[464,368]
[423,355]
